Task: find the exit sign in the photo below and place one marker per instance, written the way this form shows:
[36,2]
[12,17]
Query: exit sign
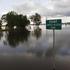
[54,24]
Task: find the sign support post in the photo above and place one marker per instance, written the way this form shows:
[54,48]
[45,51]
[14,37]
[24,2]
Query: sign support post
[53,49]
[54,24]
[53,38]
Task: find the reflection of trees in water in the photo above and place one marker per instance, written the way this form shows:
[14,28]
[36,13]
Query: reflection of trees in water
[49,52]
[39,54]
[37,32]
[1,35]
[17,36]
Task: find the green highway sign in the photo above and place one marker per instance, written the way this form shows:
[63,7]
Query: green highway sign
[54,24]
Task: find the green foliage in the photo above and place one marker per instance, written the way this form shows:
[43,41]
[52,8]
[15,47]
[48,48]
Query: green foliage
[36,19]
[22,21]
[0,24]
[13,19]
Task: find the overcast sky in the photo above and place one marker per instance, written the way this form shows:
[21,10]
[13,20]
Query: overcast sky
[44,7]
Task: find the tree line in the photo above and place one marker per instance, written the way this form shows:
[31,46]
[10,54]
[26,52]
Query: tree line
[18,20]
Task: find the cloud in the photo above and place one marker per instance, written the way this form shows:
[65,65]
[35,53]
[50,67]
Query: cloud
[32,8]
[43,7]
[29,8]
[51,7]
[61,7]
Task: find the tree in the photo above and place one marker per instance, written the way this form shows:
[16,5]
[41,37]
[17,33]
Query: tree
[22,21]
[0,24]
[36,19]
[13,19]
[10,19]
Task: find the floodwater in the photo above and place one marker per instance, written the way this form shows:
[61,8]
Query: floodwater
[33,50]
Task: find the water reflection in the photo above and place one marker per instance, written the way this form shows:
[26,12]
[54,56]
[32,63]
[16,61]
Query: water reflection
[1,35]
[39,46]
[15,37]
[39,54]
[37,32]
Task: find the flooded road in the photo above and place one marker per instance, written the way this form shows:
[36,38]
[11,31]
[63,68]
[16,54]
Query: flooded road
[34,49]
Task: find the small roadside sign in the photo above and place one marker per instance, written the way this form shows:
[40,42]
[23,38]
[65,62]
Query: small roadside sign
[54,24]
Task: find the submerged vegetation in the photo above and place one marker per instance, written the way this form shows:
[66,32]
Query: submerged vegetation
[19,21]
[13,19]
[36,19]
[16,27]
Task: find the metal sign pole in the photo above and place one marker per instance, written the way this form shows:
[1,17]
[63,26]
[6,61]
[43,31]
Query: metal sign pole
[54,24]
[53,38]
[53,48]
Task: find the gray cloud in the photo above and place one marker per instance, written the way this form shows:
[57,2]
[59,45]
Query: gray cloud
[61,7]
[52,8]
[29,8]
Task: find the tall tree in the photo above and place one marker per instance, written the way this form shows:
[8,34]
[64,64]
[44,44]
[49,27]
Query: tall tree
[13,19]
[9,18]
[22,21]
[0,24]
[36,19]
